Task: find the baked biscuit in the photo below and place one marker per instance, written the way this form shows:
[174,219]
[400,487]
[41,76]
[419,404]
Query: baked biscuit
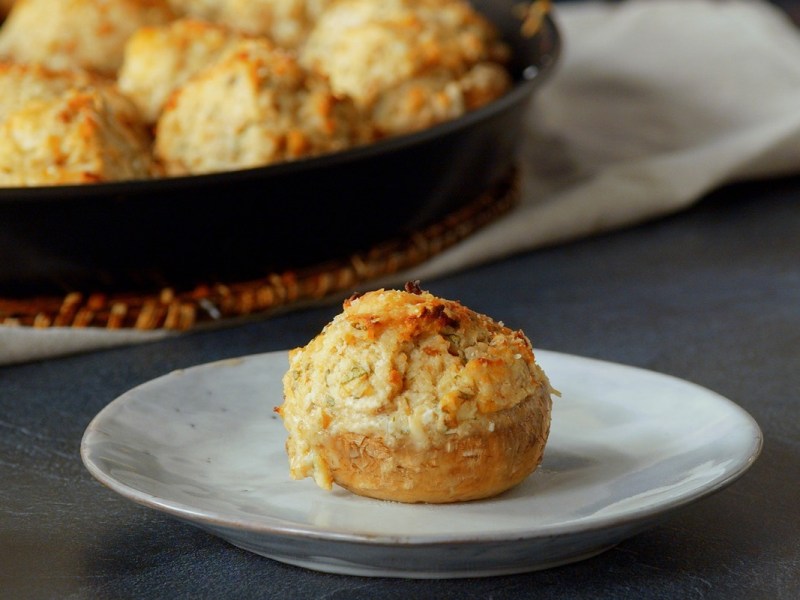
[409,397]
[254,106]
[22,83]
[68,34]
[159,59]
[427,100]
[415,62]
[75,137]
[285,22]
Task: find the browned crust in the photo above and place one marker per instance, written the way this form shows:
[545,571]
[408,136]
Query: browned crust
[466,468]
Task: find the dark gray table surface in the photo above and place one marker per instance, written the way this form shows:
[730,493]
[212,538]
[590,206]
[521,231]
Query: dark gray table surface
[711,295]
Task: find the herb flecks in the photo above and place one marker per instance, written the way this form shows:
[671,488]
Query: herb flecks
[353,373]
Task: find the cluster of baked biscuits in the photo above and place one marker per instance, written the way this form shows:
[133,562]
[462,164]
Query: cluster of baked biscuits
[103,90]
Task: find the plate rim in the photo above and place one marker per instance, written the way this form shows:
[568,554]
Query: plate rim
[268,525]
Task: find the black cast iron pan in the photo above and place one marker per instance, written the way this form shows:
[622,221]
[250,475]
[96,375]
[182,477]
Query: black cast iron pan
[234,226]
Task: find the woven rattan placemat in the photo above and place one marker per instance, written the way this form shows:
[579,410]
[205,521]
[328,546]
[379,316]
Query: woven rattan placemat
[176,309]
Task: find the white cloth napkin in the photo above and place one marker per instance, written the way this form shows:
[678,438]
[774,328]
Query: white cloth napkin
[653,104]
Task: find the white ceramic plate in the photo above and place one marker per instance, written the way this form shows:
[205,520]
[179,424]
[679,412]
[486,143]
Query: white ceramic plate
[628,447]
